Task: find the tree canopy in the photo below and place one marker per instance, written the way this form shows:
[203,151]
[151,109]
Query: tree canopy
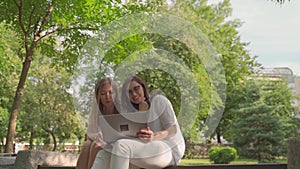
[186,50]
[41,24]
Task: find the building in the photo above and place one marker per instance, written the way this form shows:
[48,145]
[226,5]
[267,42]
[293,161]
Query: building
[297,92]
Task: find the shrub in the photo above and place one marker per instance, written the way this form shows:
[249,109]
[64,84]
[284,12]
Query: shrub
[222,155]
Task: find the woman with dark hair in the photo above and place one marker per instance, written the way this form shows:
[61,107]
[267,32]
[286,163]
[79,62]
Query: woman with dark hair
[159,145]
[138,103]
[105,102]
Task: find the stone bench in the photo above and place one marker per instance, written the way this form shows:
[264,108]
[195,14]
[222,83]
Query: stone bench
[31,159]
[7,162]
[212,166]
[55,167]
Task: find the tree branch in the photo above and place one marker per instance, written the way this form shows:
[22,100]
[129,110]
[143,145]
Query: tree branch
[47,16]
[38,35]
[30,19]
[20,6]
[35,28]
[66,29]
[16,3]
[20,17]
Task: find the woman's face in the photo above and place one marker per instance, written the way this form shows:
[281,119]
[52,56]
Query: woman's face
[106,95]
[136,92]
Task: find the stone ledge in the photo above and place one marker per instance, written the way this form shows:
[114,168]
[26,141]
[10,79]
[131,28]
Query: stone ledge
[30,159]
[211,166]
[293,153]
[7,162]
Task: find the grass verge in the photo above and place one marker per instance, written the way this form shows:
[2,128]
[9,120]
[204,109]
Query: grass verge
[237,161]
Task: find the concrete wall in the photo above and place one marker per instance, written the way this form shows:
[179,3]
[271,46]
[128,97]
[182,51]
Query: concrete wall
[294,153]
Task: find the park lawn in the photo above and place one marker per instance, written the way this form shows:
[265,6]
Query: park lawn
[237,161]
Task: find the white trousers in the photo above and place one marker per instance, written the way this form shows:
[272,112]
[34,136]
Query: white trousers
[133,153]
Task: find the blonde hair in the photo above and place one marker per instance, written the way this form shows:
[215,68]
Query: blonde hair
[98,87]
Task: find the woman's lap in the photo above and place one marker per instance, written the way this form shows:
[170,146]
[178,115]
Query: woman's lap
[154,154]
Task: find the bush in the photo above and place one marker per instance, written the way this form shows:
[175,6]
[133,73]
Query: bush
[222,155]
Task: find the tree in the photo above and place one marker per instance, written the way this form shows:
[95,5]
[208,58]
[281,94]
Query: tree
[260,132]
[263,123]
[164,71]
[223,34]
[50,105]
[280,1]
[40,23]
[9,68]
[211,21]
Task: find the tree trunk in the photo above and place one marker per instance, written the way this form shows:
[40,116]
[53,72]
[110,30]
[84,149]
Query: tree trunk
[30,141]
[16,104]
[54,141]
[219,137]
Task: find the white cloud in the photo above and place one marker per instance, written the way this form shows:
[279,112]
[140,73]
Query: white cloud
[273,31]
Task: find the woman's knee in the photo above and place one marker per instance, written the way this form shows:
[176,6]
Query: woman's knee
[102,160]
[121,148]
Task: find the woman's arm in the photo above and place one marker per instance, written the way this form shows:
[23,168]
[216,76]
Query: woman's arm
[148,135]
[161,109]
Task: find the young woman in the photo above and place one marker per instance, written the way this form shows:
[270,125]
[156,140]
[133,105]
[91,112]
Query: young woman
[159,145]
[105,102]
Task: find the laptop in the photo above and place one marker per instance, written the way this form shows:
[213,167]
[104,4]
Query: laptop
[124,125]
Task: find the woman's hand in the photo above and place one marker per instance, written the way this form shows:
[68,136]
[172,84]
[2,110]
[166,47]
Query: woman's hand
[145,135]
[143,106]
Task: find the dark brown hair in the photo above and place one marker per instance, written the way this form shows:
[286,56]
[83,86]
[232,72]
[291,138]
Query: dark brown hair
[126,103]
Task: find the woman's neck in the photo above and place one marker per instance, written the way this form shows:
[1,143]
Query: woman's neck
[108,110]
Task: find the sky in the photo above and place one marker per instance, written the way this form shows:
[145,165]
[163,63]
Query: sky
[273,31]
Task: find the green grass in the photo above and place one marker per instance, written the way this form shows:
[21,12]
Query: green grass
[194,161]
[237,161]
